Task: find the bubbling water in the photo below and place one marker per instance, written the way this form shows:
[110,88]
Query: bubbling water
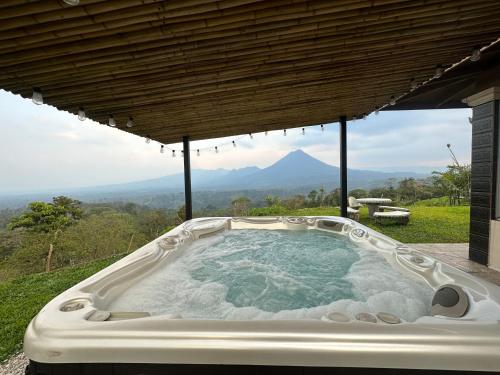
[276,274]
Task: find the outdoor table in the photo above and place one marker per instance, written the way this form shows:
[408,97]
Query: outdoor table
[373,204]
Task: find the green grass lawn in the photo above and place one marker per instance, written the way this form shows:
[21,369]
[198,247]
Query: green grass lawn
[23,297]
[427,224]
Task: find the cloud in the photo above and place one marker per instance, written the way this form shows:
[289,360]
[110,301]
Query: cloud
[43,148]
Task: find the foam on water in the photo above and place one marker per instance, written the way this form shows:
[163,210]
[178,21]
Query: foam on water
[264,274]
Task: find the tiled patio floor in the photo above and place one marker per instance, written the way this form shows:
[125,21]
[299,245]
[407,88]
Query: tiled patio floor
[456,254]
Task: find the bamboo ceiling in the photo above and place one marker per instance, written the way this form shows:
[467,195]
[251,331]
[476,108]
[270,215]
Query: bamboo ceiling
[218,68]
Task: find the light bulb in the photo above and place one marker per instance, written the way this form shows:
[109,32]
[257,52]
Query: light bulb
[197,152]
[216,150]
[476,54]
[148,140]
[72,2]
[81,114]
[303,131]
[439,71]
[234,144]
[322,127]
[37,96]
[413,84]
[284,132]
[173,153]
[251,136]
[162,149]
[130,122]
[111,121]
[392,101]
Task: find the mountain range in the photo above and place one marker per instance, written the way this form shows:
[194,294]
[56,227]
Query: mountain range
[296,169]
[296,172]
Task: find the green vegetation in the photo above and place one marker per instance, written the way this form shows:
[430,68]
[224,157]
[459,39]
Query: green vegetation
[427,224]
[66,232]
[23,297]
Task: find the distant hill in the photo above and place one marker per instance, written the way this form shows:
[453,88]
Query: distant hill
[294,173]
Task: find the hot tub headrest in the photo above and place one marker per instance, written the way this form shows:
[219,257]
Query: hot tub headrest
[451,301]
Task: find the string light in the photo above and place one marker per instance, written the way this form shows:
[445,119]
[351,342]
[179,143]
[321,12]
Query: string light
[439,71]
[130,122]
[81,114]
[476,54]
[413,84]
[393,100]
[111,121]
[216,149]
[37,96]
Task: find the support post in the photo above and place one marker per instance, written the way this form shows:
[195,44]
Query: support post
[188,198]
[343,165]
[484,234]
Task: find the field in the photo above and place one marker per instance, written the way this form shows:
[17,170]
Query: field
[23,297]
[427,224]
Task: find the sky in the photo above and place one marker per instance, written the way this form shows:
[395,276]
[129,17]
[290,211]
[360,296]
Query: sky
[42,148]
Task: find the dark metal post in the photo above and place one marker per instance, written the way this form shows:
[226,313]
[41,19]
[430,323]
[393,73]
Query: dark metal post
[187,179]
[343,166]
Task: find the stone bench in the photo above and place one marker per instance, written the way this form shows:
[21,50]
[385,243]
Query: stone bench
[392,208]
[401,217]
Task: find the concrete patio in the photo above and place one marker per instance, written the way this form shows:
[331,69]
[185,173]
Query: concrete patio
[457,254]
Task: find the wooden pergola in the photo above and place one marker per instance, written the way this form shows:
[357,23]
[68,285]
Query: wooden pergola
[198,69]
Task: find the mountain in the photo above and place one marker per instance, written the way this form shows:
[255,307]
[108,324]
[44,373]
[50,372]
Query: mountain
[296,172]
[298,169]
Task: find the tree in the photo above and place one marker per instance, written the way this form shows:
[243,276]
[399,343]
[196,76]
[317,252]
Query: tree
[153,223]
[240,206]
[312,198]
[358,193]
[321,196]
[295,202]
[455,182]
[181,215]
[49,218]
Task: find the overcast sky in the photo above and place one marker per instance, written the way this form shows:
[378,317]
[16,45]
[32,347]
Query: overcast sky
[43,148]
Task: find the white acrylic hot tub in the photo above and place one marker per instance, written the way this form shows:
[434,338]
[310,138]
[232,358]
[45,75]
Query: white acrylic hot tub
[80,326]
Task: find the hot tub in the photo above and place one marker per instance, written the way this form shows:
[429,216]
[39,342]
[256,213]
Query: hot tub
[275,293]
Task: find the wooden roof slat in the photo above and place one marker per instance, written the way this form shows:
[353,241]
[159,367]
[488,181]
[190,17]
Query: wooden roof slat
[208,68]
